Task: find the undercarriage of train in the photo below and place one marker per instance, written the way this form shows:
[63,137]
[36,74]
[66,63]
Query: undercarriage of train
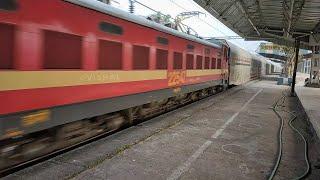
[21,150]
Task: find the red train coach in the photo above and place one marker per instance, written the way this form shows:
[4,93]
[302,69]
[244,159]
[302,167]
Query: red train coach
[63,61]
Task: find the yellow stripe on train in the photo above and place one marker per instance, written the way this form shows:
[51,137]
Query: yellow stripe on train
[14,80]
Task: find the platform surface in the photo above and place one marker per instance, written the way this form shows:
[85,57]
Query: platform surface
[232,135]
[310,100]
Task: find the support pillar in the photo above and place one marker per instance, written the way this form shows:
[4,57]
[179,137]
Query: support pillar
[297,44]
[315,67]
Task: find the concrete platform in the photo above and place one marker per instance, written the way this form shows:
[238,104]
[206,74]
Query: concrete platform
[270,77]
[229,136]
[310,100]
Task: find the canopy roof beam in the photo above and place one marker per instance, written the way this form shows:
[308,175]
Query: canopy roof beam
[227,8]
[299,4]
[260,13]
[279,21]
[246,14]
[288,11]
[316,28]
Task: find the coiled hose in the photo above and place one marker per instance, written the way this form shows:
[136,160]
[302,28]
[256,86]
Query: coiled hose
[276,110]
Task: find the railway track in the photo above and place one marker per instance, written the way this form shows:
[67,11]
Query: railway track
[26,151]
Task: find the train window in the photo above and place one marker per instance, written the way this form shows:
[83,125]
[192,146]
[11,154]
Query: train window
[190,46]
[140,57]
[199,62]
[207,51]
[190,61]
[110,55]
[207,63]
[110,28]
[219,64]
[315,63]
[6,46]
[213,63]
[162,59]
[62,51]
[177,60]
[162,40]
[8,5]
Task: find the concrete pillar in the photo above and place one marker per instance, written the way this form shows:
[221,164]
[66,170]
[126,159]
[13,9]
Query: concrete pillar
[315,66]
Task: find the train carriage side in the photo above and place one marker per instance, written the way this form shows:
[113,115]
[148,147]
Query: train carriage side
[240,65]
[244,66]
[256,68]
[89,60]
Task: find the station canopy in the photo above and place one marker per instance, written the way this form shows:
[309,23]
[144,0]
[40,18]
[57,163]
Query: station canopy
[278,21]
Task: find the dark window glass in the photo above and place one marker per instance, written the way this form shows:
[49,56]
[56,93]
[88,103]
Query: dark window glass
[6,46]
[140,57]
[199,62]
[213,63]
[62,51]
[207,63]
[162,40]
[8,5]
[190,61]
[177,60]
[162,59]
[207,51]
[110,28]
[190,46]
[219,64]
[110,55]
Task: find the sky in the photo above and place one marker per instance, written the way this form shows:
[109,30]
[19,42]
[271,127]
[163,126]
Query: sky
[205,25]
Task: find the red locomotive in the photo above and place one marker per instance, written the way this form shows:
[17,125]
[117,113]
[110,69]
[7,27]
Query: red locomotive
[72,69]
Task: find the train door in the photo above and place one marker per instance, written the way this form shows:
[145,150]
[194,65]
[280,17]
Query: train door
[226,63]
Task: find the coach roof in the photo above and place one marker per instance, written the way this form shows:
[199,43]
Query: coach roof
[107,9]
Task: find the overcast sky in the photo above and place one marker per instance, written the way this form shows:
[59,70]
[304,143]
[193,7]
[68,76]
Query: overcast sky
[205,25]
